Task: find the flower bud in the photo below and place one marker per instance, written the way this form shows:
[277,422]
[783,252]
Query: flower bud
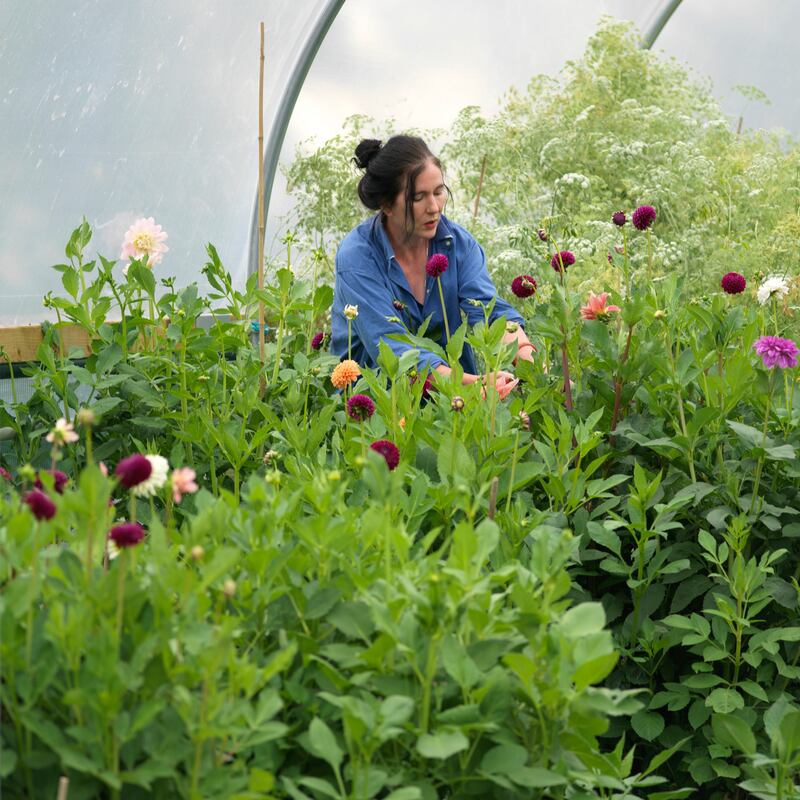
[511,327]
[457,403]
[197,553]
[660,314]
[350,312]
[229,588]
[86,417]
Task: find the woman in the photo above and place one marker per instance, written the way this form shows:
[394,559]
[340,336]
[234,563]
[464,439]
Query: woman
[381,264]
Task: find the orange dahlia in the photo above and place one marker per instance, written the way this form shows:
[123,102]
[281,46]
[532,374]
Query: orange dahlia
[345,373]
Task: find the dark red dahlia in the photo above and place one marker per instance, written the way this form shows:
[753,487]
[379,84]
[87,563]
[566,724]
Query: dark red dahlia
[60,480]
[542,234]
[733,283]
[133,470]
[643,217]
[523,286]
[619,218]
[388,450]
[40,504]
[360,407]
[565,258]
[318,340]
[437,265]
[128,534]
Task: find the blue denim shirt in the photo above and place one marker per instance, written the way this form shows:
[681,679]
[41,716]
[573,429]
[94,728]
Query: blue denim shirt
[369,276]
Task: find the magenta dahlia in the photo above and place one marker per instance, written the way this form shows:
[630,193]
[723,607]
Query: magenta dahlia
[565,258]
[60,480]
[777,352]
[437,265]
[388,450]
[523,286]
[733,283]
[643,217]
[133,470]
[360,407]
[128,534]
[40,504]
[619,218]
[318,340]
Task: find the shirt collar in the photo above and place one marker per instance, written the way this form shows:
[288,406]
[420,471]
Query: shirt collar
[444,235]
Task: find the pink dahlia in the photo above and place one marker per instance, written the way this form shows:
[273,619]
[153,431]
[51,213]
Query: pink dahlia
[596,307]
[619,218]
[565,258]
[360,407]
[777,352]
[183,482]
[733,283]
[388,450]
[40,504]
[60,480]
[144,239]
[437,265]
[643,217]
[523,286]
[128,534]
[133,470]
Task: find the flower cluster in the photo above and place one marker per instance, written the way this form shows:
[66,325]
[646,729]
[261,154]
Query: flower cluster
[319,340]
[360,407]
[143,475]
[42,507]
[733,283]
[643,217]
[127,534]
[388,450]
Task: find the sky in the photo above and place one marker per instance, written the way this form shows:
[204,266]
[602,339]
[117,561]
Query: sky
[123,110]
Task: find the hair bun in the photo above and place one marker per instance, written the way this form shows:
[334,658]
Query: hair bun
[367,150]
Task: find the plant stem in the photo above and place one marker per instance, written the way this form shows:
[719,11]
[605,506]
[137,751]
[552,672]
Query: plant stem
[513,471]
[760,464]
[444,310]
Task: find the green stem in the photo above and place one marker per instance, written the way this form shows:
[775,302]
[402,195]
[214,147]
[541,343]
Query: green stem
[513,471]
[349,338]
[444,310]
[760,464]
[122,565]
[430,674]
[278,342]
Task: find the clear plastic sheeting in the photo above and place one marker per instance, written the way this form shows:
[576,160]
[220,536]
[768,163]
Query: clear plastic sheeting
[118,111]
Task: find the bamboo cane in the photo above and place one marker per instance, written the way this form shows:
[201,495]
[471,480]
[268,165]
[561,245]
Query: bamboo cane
[63,788]
[261,220]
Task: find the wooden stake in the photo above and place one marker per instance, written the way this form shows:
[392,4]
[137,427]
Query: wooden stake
[63,788]
[480,186]
[261,221]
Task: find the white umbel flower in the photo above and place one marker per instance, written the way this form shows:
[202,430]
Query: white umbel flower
[773,286]
[157,479]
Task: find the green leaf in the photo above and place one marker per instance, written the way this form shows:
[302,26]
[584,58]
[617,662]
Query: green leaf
[724,701]
[647,724]
[505,759]
[260,780]
[454,462]
[583,619]
[323,743]
[595,670]
[441,744]
[538,777]
[406,793]
[754,690]
[733,732]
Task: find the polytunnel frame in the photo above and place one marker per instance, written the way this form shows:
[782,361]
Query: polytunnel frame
[280,122]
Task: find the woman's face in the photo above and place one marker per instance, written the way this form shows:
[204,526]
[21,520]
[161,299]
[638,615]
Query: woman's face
[430,197]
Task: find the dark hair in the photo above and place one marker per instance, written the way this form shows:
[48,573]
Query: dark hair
[387,166]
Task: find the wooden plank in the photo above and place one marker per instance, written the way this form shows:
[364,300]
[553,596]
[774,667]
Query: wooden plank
[21,342]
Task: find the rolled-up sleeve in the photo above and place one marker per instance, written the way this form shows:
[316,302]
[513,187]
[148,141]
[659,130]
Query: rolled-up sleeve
[475,284]
[375,311]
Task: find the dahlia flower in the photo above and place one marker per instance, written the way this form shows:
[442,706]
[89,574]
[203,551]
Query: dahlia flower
[643,217]
[523,286]
[457,403]
[344,373]
[5,474]
[388,450]
[350,312]
[127,534]
[542,234]
[318,340]
[565,258]
[60,480]
[619,218]
[360,407]
[596,307]
[40,504]
[63,433]
[437,264]
[156,479]
[144,238]
[183,482]
[132,470]
[777,352]
[733,283]
[774,286]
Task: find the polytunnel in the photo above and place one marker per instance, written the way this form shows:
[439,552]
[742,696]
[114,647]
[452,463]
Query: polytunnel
[121,111]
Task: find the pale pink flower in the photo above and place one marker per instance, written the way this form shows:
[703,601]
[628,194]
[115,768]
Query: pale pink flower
[183,482]
[63,433]
[503,387]
[103,468]
[144,239]
[596,307]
